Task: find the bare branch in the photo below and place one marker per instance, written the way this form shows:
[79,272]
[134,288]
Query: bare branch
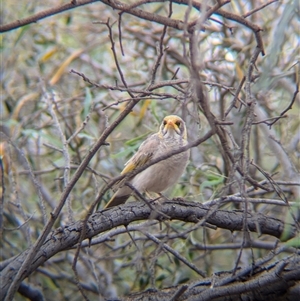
[66,237]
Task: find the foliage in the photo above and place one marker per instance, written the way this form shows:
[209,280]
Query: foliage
[114,71]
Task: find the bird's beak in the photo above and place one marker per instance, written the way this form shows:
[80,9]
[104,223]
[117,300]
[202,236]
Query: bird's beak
[172,126]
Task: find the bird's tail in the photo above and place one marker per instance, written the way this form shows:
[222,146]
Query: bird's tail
[117,200]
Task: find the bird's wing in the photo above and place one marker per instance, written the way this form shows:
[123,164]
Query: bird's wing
[145,152]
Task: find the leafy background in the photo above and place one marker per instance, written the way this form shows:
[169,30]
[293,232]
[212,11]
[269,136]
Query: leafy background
[41,98]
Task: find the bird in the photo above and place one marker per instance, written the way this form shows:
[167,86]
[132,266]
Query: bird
[172,135]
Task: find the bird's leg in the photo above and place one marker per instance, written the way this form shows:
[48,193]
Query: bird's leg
[164,197]
[158,196]
[153,196]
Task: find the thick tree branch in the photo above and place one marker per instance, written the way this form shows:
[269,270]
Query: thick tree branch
[177,24]
[279,281]
[64,238]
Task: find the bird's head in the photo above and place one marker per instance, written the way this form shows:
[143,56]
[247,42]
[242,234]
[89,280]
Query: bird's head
[173,126]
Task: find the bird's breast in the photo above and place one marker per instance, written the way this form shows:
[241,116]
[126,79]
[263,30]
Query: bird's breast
[163,174]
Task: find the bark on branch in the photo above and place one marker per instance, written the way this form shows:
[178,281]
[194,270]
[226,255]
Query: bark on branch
[280,282]
[177,209]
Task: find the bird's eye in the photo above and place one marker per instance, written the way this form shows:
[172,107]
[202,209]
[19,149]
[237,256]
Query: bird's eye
[165,122]
[178,123]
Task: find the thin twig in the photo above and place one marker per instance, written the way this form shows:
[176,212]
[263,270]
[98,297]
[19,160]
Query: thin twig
[236,97]
[290,106]
[116,57]
[173,252]
[51,104]
[255,10]
[268,119]
[160,49]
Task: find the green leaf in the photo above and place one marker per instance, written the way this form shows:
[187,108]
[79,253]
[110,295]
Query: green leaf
[87,101]
[294,242]
[212,180]
[125,153]
[85,135]
[137,139]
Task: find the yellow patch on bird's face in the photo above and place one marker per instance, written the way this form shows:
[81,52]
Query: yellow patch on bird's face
[173,124]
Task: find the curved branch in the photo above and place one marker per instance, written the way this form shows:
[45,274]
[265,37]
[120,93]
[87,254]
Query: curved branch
[44,14]
[178,209]
[279,281]
[74,4]
[115,4]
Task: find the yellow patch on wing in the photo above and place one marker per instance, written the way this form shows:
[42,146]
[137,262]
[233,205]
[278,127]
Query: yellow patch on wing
[135,162]
[143,155]
[128,168]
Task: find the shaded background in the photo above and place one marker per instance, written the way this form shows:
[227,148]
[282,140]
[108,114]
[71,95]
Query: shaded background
[41,98]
